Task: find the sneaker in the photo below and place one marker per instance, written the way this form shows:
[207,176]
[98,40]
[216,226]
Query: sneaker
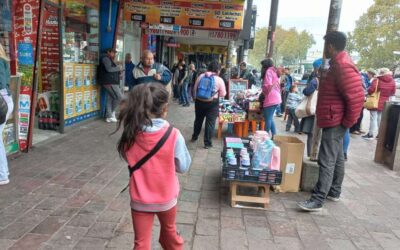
[186,105]
[310,205]
[111,119]
[193,139]
[345,156]
[368,137]
[4,182]
[208,146]
[279,115]
[333,198]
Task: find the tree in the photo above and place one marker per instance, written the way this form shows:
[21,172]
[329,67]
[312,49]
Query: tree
[290,47]
[377,35]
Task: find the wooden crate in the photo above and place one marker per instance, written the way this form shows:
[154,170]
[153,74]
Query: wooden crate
[262,200]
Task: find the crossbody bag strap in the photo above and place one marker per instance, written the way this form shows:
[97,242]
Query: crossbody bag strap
[142,161]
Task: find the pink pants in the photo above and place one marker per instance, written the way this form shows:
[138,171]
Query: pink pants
[143,225]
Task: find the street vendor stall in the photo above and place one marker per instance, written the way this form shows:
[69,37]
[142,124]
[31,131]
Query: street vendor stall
[241,110]
[251,163]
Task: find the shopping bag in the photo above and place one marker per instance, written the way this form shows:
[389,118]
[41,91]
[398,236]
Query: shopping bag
[308,106]
[372,101]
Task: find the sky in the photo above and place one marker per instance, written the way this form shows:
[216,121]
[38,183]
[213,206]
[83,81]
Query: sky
[311,15]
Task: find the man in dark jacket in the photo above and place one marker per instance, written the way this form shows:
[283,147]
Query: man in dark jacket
[108,76]
[246,74]
[340,100]
[129,66]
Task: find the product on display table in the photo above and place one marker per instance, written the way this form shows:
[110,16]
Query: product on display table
[251,163]
[254,161]
[230,112]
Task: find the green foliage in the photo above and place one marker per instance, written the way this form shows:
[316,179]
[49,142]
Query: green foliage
[290,47]
[377,35]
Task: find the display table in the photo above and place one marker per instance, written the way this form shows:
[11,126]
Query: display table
[262,198]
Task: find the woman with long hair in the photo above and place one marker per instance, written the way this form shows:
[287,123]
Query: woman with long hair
[272,92]
[5,92]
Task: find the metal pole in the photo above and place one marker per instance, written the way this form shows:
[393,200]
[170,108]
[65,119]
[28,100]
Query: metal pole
[249,16]
[333,25]
[271,28]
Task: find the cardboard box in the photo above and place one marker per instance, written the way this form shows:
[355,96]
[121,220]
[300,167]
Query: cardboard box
[292,151]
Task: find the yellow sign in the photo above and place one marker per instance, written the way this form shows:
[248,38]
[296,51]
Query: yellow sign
[81,93]
[198,13]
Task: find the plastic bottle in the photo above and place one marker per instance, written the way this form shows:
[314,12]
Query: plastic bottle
[276,158]
[266,153]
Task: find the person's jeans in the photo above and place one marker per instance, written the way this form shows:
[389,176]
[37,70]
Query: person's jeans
[346,141]
[375,121]
[292,118]
[184,99]
[269,118]
[143,225]
[114,97]
[331,164]
[176,91]
[209,111]
[278,110]
[357,126]
[4,172]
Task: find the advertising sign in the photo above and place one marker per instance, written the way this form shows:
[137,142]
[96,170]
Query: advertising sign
[221,35]
[26,28]
[235,86]
[80,93]
[211,14]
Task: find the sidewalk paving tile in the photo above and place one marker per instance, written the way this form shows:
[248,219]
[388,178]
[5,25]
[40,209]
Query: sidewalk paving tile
[66,194]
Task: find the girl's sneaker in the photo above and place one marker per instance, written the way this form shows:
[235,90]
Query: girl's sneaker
[4,182]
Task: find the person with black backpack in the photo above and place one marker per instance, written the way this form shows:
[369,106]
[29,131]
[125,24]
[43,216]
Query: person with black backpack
[108,77]
[207,90]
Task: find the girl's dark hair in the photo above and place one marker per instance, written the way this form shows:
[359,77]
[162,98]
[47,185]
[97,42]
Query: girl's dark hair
[265,65]
[144,101]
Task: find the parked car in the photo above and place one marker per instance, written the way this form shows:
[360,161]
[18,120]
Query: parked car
[397,81]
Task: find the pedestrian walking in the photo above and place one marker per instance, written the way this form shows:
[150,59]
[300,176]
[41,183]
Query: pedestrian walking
[384,84]
[293,100]
[147,71]
[340,100]
[129,66]
[187,85]
[183,74]
[272,92]
[7,106]
[207,90]
[154,151]
[307,123]
[108,77]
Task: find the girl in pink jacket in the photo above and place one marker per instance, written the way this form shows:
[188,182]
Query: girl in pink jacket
[153,185]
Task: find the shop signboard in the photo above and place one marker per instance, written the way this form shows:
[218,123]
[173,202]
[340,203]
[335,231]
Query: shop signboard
[221,35]
[25,28]
[235,86]
[81,94]
[208,14]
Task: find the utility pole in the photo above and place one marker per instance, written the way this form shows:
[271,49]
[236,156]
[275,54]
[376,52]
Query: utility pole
[333,25]
[248,17]
[271,28]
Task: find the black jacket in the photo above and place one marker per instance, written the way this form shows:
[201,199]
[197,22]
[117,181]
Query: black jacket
[108,72]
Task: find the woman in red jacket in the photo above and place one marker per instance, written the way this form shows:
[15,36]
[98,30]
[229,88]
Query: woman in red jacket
[385,85]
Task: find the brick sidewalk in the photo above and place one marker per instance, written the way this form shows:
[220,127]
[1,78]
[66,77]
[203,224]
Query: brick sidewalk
[66,195]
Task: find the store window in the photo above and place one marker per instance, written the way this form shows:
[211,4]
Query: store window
[80,38]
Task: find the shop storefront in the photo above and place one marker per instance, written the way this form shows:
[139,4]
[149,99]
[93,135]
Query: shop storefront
[195,30]
[54,47]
